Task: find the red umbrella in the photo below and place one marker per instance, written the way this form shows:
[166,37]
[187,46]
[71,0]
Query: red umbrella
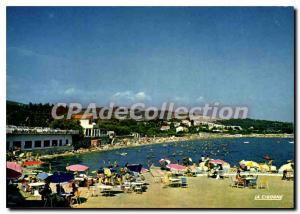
[32,163]
[217,161]
[77,168]
[176,167]
[13,170]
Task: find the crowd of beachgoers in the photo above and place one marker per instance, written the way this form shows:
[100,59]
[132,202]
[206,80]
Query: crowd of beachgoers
[74,185]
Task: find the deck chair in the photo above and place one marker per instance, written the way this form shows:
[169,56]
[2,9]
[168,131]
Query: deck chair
[94,191]
[264,183]
[253,183]
[184,182]
[237,182]
[138,189]
[127,187]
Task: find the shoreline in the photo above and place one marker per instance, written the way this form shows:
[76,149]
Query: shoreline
[161,140]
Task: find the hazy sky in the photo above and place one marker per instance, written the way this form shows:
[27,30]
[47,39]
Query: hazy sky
[235,56]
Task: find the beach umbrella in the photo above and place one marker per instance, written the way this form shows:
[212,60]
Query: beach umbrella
[43,175]
[135,167]
[32,163]
[218,161]
[107,172]
[77,168]
[60,177]
[264,167]
[13,170]
[251,164]
[287,167]
[176,167]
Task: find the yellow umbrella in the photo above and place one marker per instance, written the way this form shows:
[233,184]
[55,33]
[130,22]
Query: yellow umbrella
[252,164]
[107,172]
[264,168]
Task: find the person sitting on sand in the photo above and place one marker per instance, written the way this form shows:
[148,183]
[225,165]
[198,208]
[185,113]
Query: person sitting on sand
[74,189]
[239,177]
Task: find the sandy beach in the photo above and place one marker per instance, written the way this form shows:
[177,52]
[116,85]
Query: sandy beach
[202,192]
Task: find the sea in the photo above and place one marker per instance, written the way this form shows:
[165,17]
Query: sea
[231,150]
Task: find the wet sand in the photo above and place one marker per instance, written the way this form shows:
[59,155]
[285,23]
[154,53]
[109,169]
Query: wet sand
[202,192]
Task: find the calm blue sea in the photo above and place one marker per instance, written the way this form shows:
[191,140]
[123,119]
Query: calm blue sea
[230,150]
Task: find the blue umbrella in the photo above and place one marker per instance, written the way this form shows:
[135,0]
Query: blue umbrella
[60,177]
[43,175]
[112,170]
[135,167]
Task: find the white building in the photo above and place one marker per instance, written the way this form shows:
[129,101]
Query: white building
[38,139]
[181,129]
[90,129]
[186,123]
[176,124]
[164,128]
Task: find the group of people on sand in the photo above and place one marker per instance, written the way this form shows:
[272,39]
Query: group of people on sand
[46,192]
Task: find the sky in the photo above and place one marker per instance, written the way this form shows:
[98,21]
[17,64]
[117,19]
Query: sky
[189,55]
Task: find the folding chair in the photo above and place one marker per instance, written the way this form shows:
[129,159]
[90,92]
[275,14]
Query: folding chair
[264,183]
[138,189]
[233,183]
[184,182]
